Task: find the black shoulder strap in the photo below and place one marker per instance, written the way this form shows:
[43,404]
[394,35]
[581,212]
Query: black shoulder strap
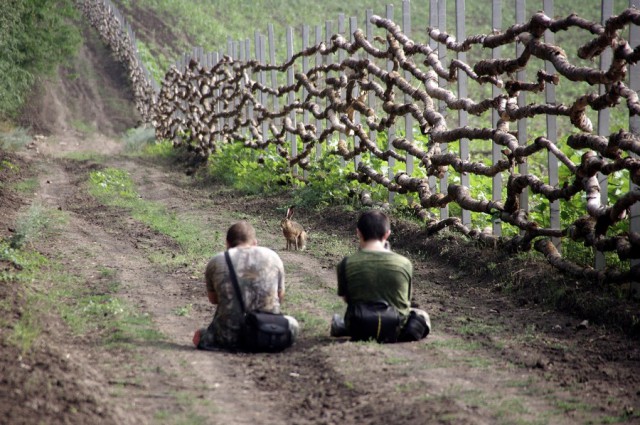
[234,280]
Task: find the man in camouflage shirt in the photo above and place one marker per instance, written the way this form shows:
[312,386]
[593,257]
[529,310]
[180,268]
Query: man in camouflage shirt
[260,275]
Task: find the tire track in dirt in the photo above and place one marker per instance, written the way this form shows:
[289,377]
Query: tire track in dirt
[163,377]
[316,375]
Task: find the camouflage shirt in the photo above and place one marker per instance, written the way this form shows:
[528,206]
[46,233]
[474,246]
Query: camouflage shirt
[260,276]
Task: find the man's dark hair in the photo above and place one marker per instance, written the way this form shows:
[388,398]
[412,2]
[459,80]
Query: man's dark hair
[239,233]
[373,225]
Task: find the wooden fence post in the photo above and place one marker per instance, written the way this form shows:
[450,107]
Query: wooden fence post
[634,128]
[274,74]
[318,62]
[496,154]
[433,23]
[463,116]
[408,118]
[291,98]
[604,121]
[442,55]
[353,26]
[521,75]
[371,99]
[249,105]
[328,32]
[305,69]
[260,57]
[341,58]
[391,131]
[552,129]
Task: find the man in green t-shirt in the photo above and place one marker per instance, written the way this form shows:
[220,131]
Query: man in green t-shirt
[375,274]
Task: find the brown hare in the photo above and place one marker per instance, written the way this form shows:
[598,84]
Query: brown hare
[293,232]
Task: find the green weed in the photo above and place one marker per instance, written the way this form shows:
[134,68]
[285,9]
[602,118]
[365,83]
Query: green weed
[139,139]
[249,171]
[83,127]
[8,165]
[85,156]
[111,182]
[393,360]
[29,185]
[162,149]
[27,329]
[470,326]
[25,263]
[13,140]
[311,324]
[184,310]
[571,405]
[37,222]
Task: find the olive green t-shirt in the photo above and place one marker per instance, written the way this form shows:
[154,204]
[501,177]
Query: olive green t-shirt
[377,275]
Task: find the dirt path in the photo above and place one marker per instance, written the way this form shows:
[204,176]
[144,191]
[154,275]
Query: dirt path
[490,359]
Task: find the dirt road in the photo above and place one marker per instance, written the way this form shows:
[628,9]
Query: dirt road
[491,358]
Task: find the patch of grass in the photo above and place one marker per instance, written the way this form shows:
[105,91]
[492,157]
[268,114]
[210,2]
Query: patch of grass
[183,311]
[311,324]
[26,263]
[187,402]
[572,405]
[86,312]
[394,360]
[14,139]
[469,326]
[133,328]
[626,417]
[26,186]
[83,127]
[509,407]
[137,140]
[333,244]
[5,164]
[112,184]
[163,149]
[71,297]
[106,273]
[27,329]
[478,362]
[115,187]
[455,344]
[409,387]
[161,415]
[37,222]
[85,156]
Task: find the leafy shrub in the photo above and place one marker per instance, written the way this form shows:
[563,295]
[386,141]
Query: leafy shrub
[250,171]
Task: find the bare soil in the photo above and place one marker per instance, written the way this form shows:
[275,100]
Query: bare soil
[498,352]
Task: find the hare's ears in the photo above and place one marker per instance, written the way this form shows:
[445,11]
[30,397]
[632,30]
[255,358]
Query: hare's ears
[289,212]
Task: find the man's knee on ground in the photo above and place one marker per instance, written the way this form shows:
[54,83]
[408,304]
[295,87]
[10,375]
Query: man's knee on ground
[418,326]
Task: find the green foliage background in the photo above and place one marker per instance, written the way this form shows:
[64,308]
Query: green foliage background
[35,36]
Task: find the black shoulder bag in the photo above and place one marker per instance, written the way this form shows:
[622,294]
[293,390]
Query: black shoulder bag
[260,331]
[377,320]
